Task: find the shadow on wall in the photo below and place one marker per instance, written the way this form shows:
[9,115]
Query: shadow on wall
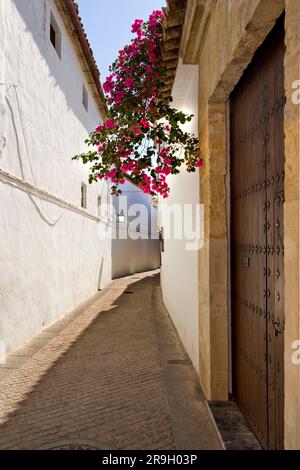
[134,256]
[59,70]
[49,221]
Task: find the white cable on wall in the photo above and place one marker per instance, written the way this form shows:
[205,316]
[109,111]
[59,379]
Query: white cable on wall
[24,184]
[55,221]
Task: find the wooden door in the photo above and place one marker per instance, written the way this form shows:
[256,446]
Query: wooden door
[257,182]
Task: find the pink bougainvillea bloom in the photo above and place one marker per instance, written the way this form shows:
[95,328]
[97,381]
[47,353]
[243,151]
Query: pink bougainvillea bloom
[128,82]
[109,83]
[136,27]
[107,87]
[167,170]
[119,97]
[132,92]
[156,18]
[137,132]
[151,45]
[145,124]
[110,124]
[163,152]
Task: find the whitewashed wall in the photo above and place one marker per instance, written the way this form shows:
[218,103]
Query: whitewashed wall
[135,244]
[51,255]
[179,272]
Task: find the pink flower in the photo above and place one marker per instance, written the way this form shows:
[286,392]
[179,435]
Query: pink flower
[163,152]
[99,128]
[167,127]
[163,171]
[145,124]
[100,148]
[151,45]
[128,82]
[119,97]
[136,27]
[137,132]
[199,164]
[110,124]
[107,87]
[109,83]
[157,17]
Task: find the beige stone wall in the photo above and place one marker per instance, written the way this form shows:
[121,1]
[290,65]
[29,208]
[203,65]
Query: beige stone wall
[291,226]
[232,36]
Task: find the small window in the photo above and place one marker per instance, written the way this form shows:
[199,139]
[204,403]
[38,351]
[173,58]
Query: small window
[85,98]
[83,196]
[52,35]
[99,207]
[55,35]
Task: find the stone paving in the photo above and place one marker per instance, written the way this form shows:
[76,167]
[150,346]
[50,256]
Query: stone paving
[112,374]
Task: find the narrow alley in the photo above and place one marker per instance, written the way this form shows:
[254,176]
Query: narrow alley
[112,374]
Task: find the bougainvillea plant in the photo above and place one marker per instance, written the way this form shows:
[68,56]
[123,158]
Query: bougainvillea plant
[142,138]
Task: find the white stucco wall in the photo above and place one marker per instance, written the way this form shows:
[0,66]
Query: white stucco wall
[135,244]
[2,77]
[179,272]
[52,256]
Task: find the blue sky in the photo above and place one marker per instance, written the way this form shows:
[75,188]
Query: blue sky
[108,25]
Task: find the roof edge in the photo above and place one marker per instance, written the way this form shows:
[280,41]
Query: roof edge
[70,13]
[175,16]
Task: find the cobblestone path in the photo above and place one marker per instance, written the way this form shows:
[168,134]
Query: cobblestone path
[113,376]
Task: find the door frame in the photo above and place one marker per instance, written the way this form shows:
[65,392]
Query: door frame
[266,50]
[214,316]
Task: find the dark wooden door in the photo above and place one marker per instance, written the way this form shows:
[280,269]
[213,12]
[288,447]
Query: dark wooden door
[257,182]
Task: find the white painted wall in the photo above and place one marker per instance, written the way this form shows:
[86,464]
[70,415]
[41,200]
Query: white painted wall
[179,272]
[2,77]
[52,256]
[135,244]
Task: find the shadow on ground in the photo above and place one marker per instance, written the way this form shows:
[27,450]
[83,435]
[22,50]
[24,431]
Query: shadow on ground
[117,377]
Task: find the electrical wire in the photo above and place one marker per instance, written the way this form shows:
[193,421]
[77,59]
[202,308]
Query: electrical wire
[48,216]
[35,183]
[107,221]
